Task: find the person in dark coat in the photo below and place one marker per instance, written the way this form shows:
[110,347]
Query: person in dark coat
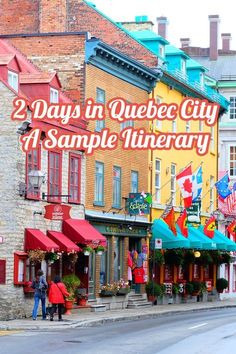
[40,286]
[57,294]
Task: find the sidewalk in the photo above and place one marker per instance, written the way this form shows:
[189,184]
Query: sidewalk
[85,318]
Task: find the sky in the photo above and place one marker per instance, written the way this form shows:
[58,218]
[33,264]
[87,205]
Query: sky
[187,18]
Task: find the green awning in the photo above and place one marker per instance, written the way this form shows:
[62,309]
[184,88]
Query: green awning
[206,242]
[169,241]
[231,246]
[195,243]
[220,244]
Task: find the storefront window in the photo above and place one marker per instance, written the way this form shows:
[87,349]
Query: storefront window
[116,259]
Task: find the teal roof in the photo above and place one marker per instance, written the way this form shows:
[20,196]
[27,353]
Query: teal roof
[172,50]
[148,35]
[169,241]
[193,64]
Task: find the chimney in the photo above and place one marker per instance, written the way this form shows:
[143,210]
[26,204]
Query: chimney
[214,20]
[226,38]
[53,16]
[162,26]
[185,42]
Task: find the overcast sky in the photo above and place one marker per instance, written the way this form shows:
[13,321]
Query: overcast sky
[187,18]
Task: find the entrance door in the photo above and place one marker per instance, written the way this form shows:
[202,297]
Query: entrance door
[91,289]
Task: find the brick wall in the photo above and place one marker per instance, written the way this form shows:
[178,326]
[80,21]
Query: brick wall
[33,16]
[63,54]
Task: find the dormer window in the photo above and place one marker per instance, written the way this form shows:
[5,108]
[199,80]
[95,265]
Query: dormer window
[54,96]
[202,80]
[161,50]
[183,66]
[13,80]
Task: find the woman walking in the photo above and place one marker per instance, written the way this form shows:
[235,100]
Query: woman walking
[40,286]
[57,294]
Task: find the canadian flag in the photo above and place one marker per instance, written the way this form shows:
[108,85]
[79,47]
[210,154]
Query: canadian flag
[184,179]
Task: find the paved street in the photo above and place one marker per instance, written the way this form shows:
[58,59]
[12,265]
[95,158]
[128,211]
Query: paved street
[205,332]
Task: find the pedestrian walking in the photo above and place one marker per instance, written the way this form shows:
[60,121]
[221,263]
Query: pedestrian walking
[57,294]
[40,285]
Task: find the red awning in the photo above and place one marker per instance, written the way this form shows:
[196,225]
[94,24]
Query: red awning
[63,241]
[37,240]
[80,231]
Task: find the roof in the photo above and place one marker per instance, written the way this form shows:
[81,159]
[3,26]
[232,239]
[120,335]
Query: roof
[5,59]
[193,64]
[36,78]
[172,50]
[148,35]
[224,68]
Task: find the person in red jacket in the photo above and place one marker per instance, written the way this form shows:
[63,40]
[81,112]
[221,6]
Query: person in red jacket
[57,294]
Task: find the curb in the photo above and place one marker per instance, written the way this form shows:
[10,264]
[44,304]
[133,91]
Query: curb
[102,321]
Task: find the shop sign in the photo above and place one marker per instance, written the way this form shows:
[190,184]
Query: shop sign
[156,244]
[57,212]
[139,203]
[194,213]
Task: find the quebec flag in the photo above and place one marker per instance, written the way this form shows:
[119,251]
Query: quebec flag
[197,184]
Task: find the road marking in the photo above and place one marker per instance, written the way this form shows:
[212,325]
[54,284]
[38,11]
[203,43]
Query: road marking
[200,325]
[8,332]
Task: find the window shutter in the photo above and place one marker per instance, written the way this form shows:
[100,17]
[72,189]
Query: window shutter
[2,271]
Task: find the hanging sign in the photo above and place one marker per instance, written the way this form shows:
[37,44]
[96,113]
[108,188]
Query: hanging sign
[139,203]
[57,212]
[194,213]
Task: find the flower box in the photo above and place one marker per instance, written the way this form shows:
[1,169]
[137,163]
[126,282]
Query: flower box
[105,293]
[123,291]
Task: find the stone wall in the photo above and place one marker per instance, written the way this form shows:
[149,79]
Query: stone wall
[16,212]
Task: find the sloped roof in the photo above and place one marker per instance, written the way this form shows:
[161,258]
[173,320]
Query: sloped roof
[36,78]
[224,68]
[5,59]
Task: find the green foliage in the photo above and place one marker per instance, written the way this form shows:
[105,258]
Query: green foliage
[196,286]
[175,288]
[225,258]
[157,257]
[88,249]
[174,257]
[189,258]
[221,284]
[72,282]
[154,289]
[205,258]
[189,288]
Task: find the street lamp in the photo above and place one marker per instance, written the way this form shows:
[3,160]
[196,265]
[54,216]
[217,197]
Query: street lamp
[36,178]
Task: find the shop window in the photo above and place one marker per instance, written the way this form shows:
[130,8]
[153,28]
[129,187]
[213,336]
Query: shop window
[180,273]
[234,278]
[100,98]
[33,162]
[134,182]
[99,183]
[54,176]
[158,180]
[116,200]
[74,178]
[2,271]
[232,161]
[20,268]
[168,273]
[232,112]
[196,271]
[227,275]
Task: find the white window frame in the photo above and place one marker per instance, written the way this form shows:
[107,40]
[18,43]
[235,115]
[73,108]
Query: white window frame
[54,95]
[161,50]
[183,66]
[232,108]
[233,161]
[13,80]
[100,98]
[173,183]
[158,186]
[158,123]
[188,126]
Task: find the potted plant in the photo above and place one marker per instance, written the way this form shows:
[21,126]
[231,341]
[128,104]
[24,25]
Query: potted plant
[221,284]
[72,282]
[154,290]
[36,256]
[197,286]
[225,258]
[87,250]
[108,290]
[81,296]
[123,287]
[175,288]
[99,250]
[189,258]
[51,257]
[204,259]
[189,288]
